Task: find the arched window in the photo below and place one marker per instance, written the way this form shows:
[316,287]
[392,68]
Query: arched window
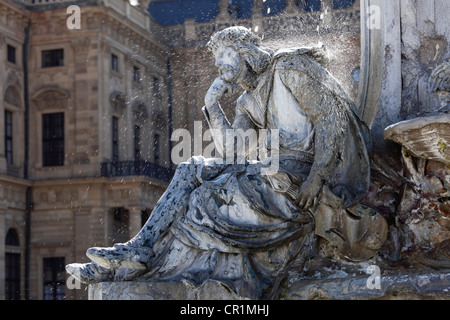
[12,267]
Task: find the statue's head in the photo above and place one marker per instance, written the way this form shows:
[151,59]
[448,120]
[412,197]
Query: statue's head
[239,43]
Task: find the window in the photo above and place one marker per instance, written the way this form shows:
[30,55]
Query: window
[115,139]
[52,58]
[12,276]
[145,215]
[12,238]
[115,62]
[136,74]
[156,141]
[155,85]
[53,139]
[137,143]
[120,225]
[12,267]
[121,216]
[9,137]
[54,278]
[11,54]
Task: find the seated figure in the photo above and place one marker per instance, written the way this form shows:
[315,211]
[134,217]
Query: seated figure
[239,223]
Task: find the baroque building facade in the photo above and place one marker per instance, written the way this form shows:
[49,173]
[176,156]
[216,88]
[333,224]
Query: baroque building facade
[87,113]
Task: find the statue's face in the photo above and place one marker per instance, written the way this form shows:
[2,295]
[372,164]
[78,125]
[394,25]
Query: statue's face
[230,64]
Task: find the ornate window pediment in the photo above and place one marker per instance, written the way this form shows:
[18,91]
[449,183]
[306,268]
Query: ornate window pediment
[139,111]
[51,99]
[158,116]
[12,96]
[118,102]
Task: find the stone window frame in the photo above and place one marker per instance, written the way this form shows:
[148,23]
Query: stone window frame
[118,109]
[50,161]
[10,49]
[46,101]
[137,79]
[17,45]
[53,63]
[9,136]
[121,67]
[136,62]
[15,249]
[54,263]
[140,118]
[17,110]
[37,61]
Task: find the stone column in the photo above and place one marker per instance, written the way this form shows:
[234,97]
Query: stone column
[99,226]
[134,221]
[189,29]
[83,225]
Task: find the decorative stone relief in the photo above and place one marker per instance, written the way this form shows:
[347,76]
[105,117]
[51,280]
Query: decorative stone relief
[51,99]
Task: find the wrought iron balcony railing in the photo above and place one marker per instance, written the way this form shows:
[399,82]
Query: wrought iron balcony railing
[115,169]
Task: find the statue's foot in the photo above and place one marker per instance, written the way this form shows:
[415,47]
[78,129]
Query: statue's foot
[89,273]
[121,256]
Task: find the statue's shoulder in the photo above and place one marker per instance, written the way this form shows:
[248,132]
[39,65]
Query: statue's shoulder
[300,59]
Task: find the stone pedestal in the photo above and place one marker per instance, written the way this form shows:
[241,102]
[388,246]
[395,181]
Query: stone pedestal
[161,290]
[401,286]
[406,285]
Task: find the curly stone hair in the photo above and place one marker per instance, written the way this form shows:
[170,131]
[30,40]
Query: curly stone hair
[246,43]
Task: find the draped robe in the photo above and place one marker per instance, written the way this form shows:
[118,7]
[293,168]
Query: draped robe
[239,226]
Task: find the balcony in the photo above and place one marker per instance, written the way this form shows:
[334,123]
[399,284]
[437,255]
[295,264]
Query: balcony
[114,169]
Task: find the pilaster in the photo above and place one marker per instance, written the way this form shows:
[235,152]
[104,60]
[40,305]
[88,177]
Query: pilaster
[135,221]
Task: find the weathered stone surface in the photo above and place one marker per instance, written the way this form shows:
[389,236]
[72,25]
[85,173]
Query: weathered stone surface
[393,286]
[161,290]
[426,137]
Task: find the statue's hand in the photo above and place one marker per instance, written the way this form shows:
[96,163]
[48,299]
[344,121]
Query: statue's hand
[309,193]
[217,90]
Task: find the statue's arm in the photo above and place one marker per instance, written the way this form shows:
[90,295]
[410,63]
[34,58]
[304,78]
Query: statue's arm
[321,107]
[219,124]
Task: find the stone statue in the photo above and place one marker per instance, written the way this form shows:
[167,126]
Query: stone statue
[440,82]
[235,223]
[434,89]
